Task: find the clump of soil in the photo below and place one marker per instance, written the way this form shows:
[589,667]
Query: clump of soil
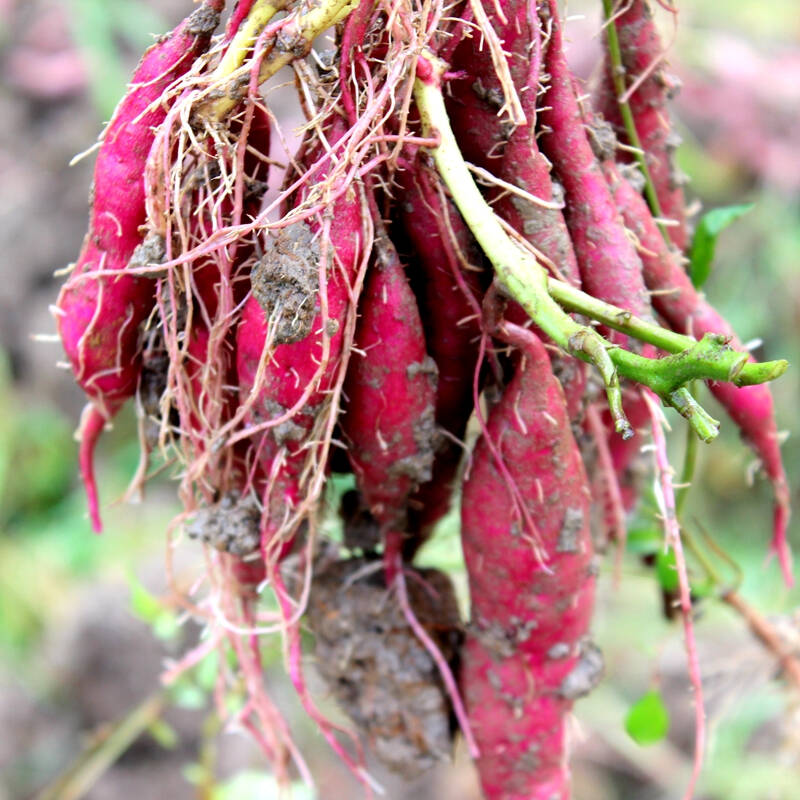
[285,282]
[232,525]
[380,673]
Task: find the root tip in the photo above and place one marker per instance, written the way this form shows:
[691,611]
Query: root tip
[92,426]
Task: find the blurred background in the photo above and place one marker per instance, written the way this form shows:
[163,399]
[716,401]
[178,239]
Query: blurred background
[85,626]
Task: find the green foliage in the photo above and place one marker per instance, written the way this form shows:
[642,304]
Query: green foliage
[148,608]
[667,570]
[253,785]
[36,456]
[647,721]
[99,28]
[704,243]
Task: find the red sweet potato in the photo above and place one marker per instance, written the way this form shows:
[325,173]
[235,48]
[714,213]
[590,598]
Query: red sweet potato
[642,53]
[525,660]
[609,265]
[491,141]
[287,289]
[513,153]
[98,317]
[687,311]
[391,392]
[437,233]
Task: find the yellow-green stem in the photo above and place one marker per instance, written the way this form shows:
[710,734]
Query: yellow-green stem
[526,281]
[293,40]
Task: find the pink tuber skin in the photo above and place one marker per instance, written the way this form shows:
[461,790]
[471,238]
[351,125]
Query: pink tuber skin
[516,155]
[98,317]
[522,665]
[238,15]
[687,311]
[450,304]
[391,390]
[610,267]
[642,53]
[513,153]
[293,366]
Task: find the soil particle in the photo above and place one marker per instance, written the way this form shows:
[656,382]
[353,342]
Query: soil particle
[377,669]
[632,174]
[232,525]
[559,651]
[586,674]
[202,22]
[425,367]
[288,431]
[285,282]
[152,385]
[361,529]
[602,139]
[502,643]
[151,251]
[570,531]
[419,465]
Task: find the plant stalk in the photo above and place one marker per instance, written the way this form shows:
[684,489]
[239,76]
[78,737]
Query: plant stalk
[523,279]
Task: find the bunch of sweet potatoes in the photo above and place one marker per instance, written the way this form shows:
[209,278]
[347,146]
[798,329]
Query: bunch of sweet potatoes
[337,314]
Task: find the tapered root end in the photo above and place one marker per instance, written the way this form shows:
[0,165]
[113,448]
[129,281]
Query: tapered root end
[92,425]
[780,543]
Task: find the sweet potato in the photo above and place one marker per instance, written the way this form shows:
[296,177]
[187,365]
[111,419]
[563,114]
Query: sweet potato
[512,153]
[449,301]
[642,54]
[687,311]
[388,421]
[286,290]
[209,280]
[525,660]
[98,317]
[609,265]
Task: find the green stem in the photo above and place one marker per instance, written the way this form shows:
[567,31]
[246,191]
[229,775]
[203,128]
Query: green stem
[81,776]
[731,365]
[618,77]
[517,272]
[527,282]
[687,474]
[292,41]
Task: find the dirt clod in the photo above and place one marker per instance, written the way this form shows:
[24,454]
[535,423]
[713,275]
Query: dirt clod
[586,673]
[377,669]
[232,525]
[285,282]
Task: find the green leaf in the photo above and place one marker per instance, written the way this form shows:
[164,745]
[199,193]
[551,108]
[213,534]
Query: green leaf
[136,22]
[644,539]
[253,785]
[207,670]
[164,734]
[647,721]
[667,570]
[144,604]
[148,608]
[709,228]
[187,695]
[93,31]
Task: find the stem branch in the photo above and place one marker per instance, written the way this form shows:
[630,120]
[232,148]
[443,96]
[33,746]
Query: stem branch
[523,279]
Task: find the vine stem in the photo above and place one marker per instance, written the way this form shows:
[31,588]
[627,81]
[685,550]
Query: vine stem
[260,14]
[522,278]
[286,40]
